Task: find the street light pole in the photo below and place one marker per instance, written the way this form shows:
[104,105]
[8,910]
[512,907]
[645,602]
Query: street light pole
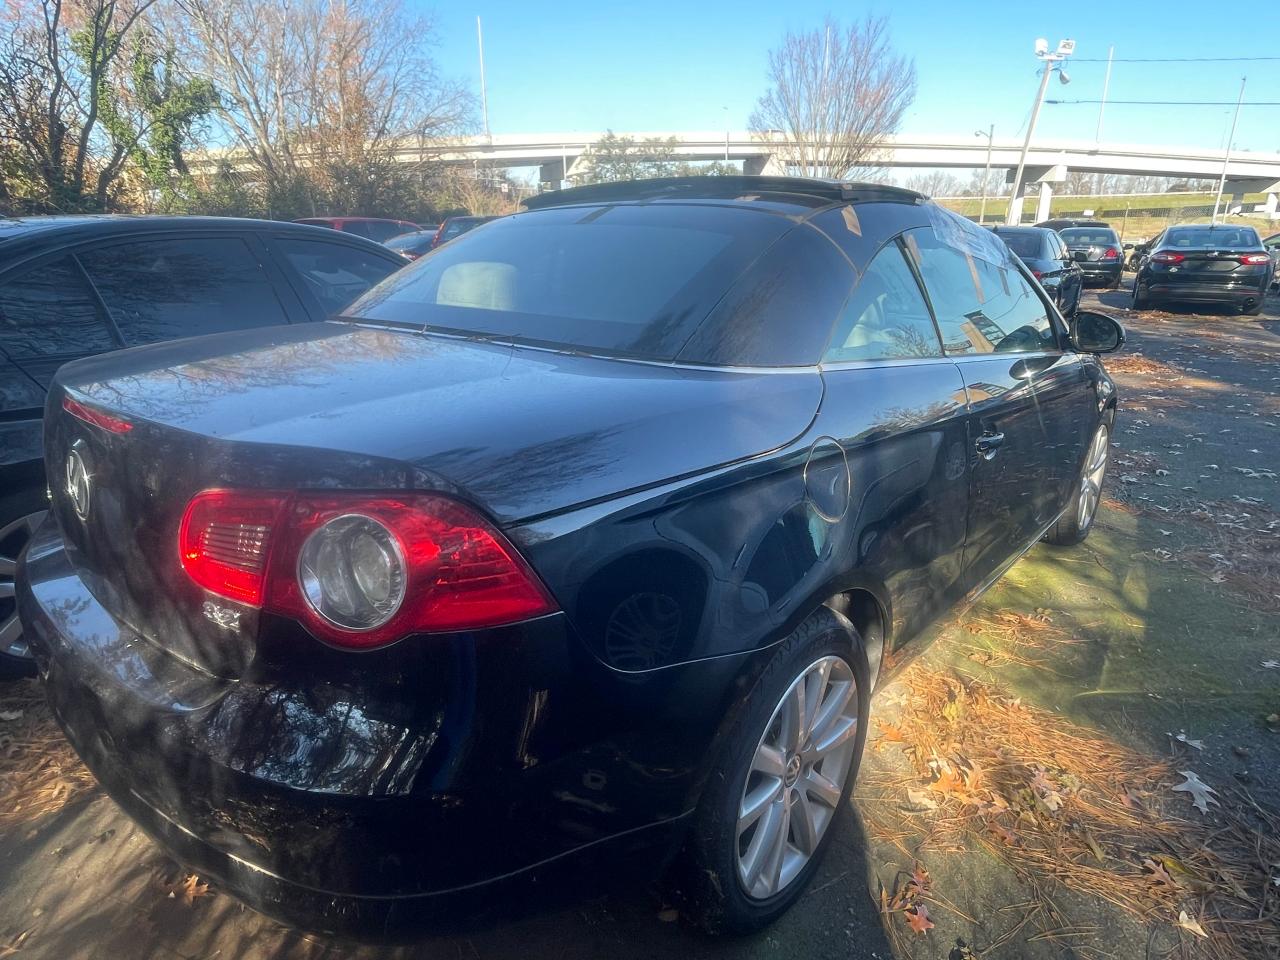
[986,171]
[1226,157]
[484,97]
[1065,49]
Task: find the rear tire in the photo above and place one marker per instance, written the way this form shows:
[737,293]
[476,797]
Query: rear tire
[1140,299]
[20,514]
[725,859]
[1077,520]
[1253,311]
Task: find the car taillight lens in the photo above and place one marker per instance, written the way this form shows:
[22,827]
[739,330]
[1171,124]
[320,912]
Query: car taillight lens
[363,570]
[1037,273]
[224,538]
[1255,258]
[96,417]
[1111,253]
[1164,256]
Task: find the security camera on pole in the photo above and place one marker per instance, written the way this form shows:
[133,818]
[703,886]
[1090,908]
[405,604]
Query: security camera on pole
[1052,62]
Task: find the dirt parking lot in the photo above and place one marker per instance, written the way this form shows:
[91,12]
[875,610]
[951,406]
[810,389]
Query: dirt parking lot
[1018,796]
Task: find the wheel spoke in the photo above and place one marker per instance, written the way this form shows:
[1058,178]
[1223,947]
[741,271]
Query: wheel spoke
[816,682]
[778,854]
[821,789]
[6,589]
[840,693]
[804,825]
[10,631]
[760,849]
[793,729]
[769,761]
[756,803]
[834,737]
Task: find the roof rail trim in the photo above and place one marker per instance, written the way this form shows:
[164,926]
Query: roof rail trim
[723,187]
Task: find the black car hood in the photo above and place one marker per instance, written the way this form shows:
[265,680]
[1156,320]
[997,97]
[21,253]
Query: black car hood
[522,431]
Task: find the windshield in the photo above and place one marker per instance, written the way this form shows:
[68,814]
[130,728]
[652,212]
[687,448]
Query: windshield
[1211,238]
[1086,236]
[1023,244]
[629,280]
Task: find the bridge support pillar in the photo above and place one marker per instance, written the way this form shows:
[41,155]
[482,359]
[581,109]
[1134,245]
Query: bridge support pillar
[766,165]
[1042,205]
[1271,209]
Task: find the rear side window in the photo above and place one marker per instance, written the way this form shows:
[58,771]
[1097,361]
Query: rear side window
[635,280]
[335,273]
[49,312]
[887,317]
[185,287]
[980,307]
[780,314]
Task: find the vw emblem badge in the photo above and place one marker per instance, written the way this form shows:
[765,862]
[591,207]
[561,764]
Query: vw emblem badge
[78,483]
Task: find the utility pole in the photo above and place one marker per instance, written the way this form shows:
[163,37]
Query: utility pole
[484,97]
[1065,49]
[989,133]
[726,134]
[1226,157]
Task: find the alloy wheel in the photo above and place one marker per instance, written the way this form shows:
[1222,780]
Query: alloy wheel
[1095,469]
[13,537]
[797,777]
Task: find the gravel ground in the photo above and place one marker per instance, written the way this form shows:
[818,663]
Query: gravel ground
[1174,602]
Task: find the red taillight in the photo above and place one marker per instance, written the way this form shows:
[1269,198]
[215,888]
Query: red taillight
[1253,259]
[224,540]
[1037,273]
[457,571]
[1165,256]
[1111,254]
[96,417]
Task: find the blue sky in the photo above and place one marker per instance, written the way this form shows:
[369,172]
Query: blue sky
[575,66]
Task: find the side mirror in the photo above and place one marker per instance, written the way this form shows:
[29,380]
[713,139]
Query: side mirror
[1096,333]
[1128,246]
[1080,256]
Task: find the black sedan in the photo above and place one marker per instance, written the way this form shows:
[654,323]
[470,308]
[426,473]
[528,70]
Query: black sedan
[1103,253]
[1050,262]
[72,287]
[411,246]
[1203,263]
[582,541]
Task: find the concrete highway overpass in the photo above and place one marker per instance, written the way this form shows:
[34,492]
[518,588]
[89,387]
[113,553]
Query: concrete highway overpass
[557,154]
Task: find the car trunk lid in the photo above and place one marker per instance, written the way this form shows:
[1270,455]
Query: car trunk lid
[520,432]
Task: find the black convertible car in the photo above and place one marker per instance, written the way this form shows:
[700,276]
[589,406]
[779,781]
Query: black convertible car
[585,537]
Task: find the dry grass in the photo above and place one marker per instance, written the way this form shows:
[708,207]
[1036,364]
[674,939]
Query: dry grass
[39,772]
[1065,807]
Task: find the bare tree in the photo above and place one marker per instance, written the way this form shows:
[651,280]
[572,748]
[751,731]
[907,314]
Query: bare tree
[56,64]
[335,97]
[835,94]
[936,183]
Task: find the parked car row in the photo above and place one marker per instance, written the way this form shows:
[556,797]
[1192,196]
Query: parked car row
[73,287]
[376,619]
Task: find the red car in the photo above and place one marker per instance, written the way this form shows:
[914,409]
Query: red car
[375,228]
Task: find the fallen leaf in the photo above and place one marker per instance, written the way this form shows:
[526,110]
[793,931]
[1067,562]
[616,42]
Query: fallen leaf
[1201,792]
[1046,790]
[920,798]
[189,890]
[1007,836]
[1191,926]
[1157,874]
[890,734]
[920,879]
[918,918]
[1182,738]
[10,714]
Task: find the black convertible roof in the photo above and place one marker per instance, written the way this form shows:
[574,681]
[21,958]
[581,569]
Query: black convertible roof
[725,188]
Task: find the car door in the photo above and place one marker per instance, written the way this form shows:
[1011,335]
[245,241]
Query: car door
[49,315]
[1030,400]
[158,288]
[329,274]
[897,407]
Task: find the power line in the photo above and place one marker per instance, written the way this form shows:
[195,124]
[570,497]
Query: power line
[1176,59]
[1172,103]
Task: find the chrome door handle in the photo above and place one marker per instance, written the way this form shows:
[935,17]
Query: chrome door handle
[989,444]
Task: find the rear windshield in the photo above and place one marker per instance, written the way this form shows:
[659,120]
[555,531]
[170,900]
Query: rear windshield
[628,280]
[1211,238]
[1023,244]
[413,242]
[1081,236]
[460,225]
